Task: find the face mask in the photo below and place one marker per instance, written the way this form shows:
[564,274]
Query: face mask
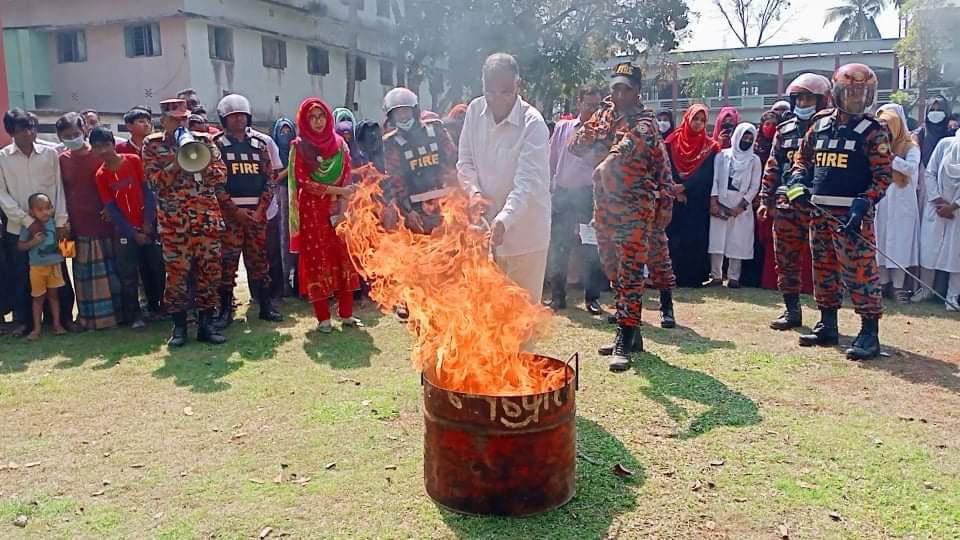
[745,145]
[804,113]
[74,144]
[663,125]
[936,117]
[769,131]
[406,125]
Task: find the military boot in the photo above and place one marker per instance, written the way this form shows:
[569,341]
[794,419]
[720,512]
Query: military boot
[628,342]
[867,343]
[267,311]
[667,319]
[206,333]
[825,332]
[179,336]
[792,317]
[225,317]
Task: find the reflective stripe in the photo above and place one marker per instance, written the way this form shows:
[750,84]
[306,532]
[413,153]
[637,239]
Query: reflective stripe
[430,195]
[831,200]
[849,145]
[832,144]
[408,154]
[256,157]
[245,201]
[862,126]
[788,143]
[422,150]
[400,140]
[819,144]
[430,131]
[244,157]
[434,147]
[231,156]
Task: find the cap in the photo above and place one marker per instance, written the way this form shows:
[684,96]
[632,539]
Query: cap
[174,107]
[626,73]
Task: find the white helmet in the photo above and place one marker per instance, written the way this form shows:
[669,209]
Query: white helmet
[399,97]
[233,104]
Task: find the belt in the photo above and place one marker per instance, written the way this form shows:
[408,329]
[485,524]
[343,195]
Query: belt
[832,200]
[245,201]
[430,195]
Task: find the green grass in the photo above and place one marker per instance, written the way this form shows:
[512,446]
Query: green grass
[730,430]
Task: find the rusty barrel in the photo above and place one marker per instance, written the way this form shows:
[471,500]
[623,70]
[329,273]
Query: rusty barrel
[500,455]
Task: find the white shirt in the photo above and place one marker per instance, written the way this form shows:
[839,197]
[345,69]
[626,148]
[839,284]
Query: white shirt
[22,176]
[509,163]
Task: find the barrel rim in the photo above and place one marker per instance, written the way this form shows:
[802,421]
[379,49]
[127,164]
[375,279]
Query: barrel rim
[572,380]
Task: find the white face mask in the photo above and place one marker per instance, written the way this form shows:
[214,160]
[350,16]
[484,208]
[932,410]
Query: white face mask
[663,125]
[406,125]
[936,117]
[74,144]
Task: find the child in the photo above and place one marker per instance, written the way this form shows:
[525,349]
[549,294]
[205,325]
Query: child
[40,239]
[130,205]
[736,181]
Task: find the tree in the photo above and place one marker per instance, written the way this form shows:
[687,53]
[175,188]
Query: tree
[858,19]
[749,18]
[705,77]
[926,41]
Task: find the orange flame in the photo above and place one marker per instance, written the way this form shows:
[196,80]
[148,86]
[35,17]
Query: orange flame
[468,320]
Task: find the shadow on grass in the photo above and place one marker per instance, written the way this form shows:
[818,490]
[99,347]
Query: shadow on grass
[344,348]
[687,340]
[201,367]
[916,368]
[601,496]
[109,346]
[667,384]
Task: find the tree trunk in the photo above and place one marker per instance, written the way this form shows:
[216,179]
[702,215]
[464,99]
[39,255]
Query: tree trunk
[351,58]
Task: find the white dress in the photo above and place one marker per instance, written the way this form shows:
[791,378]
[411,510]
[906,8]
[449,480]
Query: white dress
[898,216]
[939,237]
[733,237]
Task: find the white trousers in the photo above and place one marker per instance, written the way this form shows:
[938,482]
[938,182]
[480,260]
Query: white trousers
[527,271]
[716,267]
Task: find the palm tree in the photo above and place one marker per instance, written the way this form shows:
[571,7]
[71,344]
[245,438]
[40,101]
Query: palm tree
[858,19]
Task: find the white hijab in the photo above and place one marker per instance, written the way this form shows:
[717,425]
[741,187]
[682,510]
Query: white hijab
[740,162]
[949,172]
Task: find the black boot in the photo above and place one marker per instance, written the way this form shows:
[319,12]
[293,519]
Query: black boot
[635,346]
[628,342]
[666,309]
[205,330]
[267,311]
[867,343]
[225,317]
[179,336]
[792,317]
[825,332]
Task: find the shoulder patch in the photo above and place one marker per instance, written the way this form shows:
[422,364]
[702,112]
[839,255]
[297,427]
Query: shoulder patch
[863,126]
[824,123]
[788,125]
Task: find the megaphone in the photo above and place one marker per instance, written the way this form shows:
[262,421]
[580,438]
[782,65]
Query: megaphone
[193,156]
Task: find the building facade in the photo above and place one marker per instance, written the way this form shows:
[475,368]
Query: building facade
[66,55]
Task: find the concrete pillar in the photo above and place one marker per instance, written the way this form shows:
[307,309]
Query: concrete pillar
[780,77]
[675,93]
[4,89]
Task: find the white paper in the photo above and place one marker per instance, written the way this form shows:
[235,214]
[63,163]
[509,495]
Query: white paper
[588,235]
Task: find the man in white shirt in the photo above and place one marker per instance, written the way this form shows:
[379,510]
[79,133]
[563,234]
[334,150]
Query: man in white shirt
[27,168]
[504,164]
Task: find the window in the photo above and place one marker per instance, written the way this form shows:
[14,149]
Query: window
[749,88]
[360,69]
[274,53]
[386,73]
[318,61]
[71,46]
[383,8]
[142,40]
[221,43]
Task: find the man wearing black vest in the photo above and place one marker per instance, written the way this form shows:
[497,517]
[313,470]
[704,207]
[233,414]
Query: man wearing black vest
[244,204]
[844,167]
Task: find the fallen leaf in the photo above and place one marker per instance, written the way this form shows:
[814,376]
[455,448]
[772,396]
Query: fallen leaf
[265,532]
[587,458]
[784,531]
[257,481]
[106,482]
[188,411]
[137,466]
[905,418]
[348,380]
[393,437]
[302,480]
[106,454]
[836,516]
[806,485]
[391,467]
[717,463]
[695,485]
[929,485]
[710,525]
[711,485]
[13,466]
[282,475]
[97,493]
[21,521]
[365,402]
[31,464]
[739,499]
[877,442]
[158,515]
[183,474]
[238,435]
[621,471]
[330,465]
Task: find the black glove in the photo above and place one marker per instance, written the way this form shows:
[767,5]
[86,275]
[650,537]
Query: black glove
[858,209]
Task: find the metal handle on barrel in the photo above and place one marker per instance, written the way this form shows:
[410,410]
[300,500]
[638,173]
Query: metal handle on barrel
[575,358]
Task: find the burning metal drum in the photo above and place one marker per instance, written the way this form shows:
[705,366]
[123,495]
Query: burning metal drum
[501,455]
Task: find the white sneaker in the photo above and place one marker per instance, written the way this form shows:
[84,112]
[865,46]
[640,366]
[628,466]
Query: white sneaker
[325,327]
[922,295]
[352,321]
[954,305]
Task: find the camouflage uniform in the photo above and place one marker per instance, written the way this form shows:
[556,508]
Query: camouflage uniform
[248,187]
[190,222]
[845,160]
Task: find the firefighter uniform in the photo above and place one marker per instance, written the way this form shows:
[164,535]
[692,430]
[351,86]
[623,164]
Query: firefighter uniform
[420,166]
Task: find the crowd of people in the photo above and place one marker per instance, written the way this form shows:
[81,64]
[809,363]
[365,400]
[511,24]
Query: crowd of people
[619,195]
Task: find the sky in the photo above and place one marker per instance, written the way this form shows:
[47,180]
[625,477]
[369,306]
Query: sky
[804,20]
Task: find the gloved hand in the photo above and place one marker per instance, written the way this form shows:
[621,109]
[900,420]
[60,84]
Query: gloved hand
[797,194]
[858,209]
